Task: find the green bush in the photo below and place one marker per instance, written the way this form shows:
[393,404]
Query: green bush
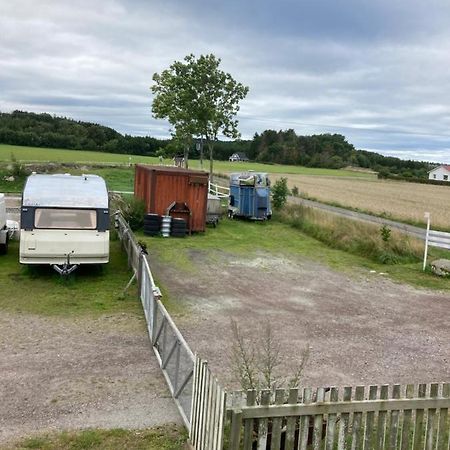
[280,192]
[133,211]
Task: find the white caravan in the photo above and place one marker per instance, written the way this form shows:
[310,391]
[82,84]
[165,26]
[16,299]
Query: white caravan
[64,221]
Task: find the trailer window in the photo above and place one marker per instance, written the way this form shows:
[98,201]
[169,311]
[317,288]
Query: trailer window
[79,219]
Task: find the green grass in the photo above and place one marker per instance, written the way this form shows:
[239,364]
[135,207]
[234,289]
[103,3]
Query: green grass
[169,437]
[246,239]
[89,290]
[35,154]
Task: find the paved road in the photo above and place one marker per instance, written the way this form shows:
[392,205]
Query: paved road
[408,229]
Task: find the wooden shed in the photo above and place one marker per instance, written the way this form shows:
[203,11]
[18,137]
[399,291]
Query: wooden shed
[181,192]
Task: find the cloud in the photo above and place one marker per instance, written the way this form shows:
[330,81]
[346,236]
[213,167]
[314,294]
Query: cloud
[377,72]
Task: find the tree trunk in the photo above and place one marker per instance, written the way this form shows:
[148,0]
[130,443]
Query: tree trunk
[211,158]
[186,155]
[201,152]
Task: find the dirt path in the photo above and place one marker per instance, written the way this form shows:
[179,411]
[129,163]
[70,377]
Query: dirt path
[361,331]
[78,372]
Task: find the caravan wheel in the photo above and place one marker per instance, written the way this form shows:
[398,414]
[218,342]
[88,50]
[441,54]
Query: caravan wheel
[4,247]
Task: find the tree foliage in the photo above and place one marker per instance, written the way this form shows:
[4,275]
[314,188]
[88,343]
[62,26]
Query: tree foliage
[45,130]
[198,98]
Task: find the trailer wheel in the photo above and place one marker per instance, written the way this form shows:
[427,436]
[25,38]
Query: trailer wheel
[4,247]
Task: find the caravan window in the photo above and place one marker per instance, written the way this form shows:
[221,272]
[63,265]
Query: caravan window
[79,219]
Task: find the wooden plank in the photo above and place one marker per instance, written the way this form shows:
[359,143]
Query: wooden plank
[235,430]
[331,422]
[249,423]
[370,421]
[357,431]
[419,423]
[223,405]
[291,421]
[394,420]
[263,422]
[276,423]
[217,424]
[344,421]
[193,419]
[407,415]
[318,421]
[381,425]
[443,437]
[304,421]
[210,412]
[431,419]
[203,394]
[344,407]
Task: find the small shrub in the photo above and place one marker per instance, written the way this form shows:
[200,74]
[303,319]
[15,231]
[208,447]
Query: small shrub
[16,169]
[133,210]
[280,192]
[385,233]
[295,191]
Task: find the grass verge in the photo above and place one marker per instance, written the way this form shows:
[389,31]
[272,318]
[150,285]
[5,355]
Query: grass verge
[89,290]
[383,215]
[169,437]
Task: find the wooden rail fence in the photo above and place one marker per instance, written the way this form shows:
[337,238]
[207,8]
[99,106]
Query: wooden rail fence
[410,417]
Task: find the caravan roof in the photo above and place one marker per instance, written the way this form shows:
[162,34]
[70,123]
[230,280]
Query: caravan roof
[65,191]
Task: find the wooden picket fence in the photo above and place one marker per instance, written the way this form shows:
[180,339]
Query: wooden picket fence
[208,409]
[410,417]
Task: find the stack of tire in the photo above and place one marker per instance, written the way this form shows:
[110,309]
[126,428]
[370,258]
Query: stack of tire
[152,224]
[179,227]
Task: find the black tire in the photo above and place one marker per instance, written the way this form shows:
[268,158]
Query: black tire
[179,227]
[178,222]
[151,221]
[4,247]
[152,216]
[178,232]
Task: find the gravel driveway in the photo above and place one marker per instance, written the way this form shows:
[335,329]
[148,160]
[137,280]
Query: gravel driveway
[362,329]
[68,373]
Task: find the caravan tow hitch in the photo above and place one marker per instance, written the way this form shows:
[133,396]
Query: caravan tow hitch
[66,268]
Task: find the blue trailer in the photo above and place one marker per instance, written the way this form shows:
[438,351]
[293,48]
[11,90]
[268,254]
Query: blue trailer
[249,196]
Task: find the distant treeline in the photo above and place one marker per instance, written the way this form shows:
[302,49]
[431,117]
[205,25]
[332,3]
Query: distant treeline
[276,147]
[45,130]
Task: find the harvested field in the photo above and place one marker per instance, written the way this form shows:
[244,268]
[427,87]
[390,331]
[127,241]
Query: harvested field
[392,199]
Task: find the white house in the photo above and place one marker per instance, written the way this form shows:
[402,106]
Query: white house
[441,173]
[238,157]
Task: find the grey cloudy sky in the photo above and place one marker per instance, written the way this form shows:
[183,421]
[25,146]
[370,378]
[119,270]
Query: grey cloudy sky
[377,71]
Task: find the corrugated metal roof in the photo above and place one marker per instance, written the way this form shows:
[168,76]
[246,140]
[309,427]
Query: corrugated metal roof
[65,191]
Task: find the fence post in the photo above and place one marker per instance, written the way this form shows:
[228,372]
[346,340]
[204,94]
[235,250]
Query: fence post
[139,274]
[235,431]
[427,216]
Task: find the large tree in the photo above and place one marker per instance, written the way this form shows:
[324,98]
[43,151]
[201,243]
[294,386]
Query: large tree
[198,99]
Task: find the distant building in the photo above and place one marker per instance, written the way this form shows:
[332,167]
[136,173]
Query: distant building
[441,173]
[238,157]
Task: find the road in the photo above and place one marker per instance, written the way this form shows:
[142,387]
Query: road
[408,229]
